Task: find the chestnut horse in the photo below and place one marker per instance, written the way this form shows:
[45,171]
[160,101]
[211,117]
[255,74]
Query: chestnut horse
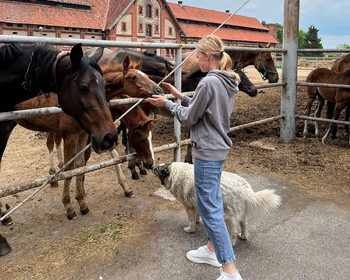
[119,80]
[340,65]
[262,61]
[339,96]
[27,70]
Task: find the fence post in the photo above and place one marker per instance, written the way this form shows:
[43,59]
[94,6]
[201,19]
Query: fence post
[177,125]
[289,69]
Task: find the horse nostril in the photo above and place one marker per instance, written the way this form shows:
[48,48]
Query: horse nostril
[108,141]
[158,90]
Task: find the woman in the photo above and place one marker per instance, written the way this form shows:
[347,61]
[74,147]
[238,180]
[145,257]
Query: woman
[208,115]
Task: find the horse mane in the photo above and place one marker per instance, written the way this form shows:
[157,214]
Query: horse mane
[196,74]
[9,52]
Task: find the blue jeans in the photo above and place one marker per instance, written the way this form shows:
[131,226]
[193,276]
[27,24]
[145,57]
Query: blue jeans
[207,175]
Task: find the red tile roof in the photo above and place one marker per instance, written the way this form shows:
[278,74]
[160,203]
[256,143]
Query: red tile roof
[198,31]
[55,16]
[205,16]
[116,9]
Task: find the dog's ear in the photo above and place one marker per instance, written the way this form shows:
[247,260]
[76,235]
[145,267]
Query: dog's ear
[165,170]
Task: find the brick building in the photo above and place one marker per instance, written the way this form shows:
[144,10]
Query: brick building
[127,20]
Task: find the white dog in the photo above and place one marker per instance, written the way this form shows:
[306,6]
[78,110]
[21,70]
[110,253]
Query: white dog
[239,200]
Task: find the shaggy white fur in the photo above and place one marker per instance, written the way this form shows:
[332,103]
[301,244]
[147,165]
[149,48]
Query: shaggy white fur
[239,200]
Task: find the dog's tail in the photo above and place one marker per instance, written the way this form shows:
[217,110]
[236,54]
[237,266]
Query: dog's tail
[262,202]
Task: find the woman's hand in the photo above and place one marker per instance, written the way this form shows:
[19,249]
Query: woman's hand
[173,91]
[157,100]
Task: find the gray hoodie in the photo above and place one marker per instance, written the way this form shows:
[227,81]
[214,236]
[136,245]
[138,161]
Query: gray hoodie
[208,114]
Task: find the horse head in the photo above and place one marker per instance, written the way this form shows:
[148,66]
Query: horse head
[128,78]
[265,65]
[140,138]
[81,93]
[245,84]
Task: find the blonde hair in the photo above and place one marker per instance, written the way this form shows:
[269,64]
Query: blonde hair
[213,45]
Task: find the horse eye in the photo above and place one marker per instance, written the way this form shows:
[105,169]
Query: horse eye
[143,140]
[83,89]
[133,78]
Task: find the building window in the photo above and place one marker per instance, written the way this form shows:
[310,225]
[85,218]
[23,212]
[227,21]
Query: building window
[156,12]
[140,10]
[149,11]
[14,33]
[48,27]
[74,29]
[140,27]
[19,25]
[148,30]
[170,31]
[9,24]
[89,30]
[123,26]
[66,28]
[156,29]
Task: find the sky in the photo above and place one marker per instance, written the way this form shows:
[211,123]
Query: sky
[330,17]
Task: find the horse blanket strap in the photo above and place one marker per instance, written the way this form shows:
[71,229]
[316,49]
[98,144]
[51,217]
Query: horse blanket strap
[59,56]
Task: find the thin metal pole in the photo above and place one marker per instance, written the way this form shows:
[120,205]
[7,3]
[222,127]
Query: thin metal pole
[177,125]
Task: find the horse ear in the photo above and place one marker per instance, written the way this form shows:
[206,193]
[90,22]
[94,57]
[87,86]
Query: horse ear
[76,55]
[139,64]
[168,67]
[98,54]
[126,62]
[268,45]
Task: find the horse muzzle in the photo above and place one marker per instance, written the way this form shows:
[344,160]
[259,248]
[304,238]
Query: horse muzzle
[158,91]
[107,142]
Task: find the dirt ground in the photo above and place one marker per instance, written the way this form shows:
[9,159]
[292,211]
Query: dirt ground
[46,245]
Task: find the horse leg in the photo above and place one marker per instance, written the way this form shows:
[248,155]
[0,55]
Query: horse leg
[58,141]
[318,111]
[330,112]
[5,248]
[6,127]
[79,180]
[347,114]
[69,148]
[121,178]
[50,143]
[188,156]
[337,110]
[311,93]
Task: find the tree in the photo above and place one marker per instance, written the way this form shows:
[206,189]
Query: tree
[343,46]
[301,39]
[312,41]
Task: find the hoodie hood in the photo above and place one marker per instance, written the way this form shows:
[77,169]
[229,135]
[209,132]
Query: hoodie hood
[228,80]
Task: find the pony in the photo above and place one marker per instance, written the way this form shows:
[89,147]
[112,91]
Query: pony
[262,61]
[339,96]
[119,79]
[27,70]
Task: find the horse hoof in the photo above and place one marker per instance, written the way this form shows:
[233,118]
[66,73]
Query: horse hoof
[5,248]
[72,216]
[54,184]
[143,172]
[129,194]
[135,176]
[85,211]
[7,221]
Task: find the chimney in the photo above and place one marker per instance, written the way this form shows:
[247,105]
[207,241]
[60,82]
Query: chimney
[227,11]
[180,4]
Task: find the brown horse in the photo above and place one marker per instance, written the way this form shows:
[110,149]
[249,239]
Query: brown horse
[340,65]
[339,96]
[75,138]
[262,61]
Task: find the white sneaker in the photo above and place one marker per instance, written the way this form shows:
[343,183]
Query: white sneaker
[203,255]
[223,277]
